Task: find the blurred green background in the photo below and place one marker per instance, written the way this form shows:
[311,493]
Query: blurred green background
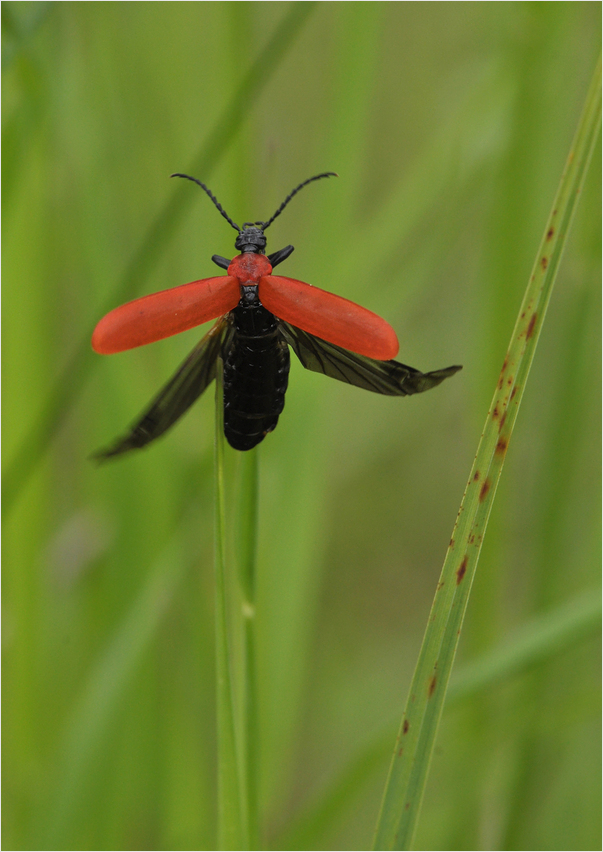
[449,124]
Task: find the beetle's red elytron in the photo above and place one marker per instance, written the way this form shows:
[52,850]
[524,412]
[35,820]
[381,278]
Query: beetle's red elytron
[261,315]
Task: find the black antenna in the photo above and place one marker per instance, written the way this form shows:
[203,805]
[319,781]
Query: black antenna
[217,203]
[290,196]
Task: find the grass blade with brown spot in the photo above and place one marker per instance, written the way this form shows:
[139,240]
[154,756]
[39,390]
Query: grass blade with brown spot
[414,747]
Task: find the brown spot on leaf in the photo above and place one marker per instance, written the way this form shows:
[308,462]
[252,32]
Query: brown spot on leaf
[550,233]
[432,686]
[476,476]
[400,752]
[544,262]
[472,539]
[496,413]
[451,545]
[501,447]
[531,325]
[461,569]
[514,391]
[484,490]
[405,726]
[502,421]
[406,807]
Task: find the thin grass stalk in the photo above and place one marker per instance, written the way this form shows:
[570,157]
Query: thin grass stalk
[231,821]
[416,739]
[246,531]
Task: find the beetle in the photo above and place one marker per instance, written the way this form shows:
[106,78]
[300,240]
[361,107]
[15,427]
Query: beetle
[260,315]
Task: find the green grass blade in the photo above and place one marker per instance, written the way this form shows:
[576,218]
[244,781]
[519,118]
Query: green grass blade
[247,522]
[414,747]
[246,529]
[231,819]
[70,382]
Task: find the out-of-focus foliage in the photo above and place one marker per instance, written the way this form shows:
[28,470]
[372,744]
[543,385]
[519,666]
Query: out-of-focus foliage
[449,124]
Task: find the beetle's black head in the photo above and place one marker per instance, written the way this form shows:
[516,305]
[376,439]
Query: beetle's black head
[251,238]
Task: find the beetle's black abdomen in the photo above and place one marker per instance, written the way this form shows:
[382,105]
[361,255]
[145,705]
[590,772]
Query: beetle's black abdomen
[256,372]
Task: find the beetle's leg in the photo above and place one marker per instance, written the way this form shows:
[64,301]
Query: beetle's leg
[220,261]
[279,256]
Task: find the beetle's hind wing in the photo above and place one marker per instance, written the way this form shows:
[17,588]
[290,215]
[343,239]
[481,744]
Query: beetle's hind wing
[176,397]
[386,377]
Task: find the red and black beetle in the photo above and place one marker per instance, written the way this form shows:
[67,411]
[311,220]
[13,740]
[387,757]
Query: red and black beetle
[261,315]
